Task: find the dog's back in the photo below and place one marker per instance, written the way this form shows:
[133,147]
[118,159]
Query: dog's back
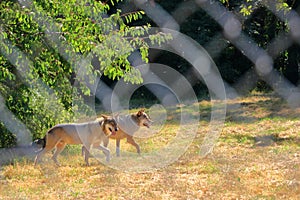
[76,133]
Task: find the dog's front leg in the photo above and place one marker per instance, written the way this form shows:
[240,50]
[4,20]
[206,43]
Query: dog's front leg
[118,147]
[86,150]
[106,152]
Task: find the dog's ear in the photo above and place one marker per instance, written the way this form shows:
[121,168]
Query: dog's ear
[105,116]
[140,112]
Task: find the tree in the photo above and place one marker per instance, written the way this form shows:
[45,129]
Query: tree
[45,46]
[263,25]
[259,23]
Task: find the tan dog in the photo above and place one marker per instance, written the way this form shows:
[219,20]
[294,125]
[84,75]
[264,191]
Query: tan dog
[87,133]
[128,125]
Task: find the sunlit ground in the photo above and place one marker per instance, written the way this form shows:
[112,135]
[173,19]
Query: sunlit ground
[256,157]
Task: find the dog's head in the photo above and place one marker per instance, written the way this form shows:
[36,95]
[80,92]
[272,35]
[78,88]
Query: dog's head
[143,119]
[110,126]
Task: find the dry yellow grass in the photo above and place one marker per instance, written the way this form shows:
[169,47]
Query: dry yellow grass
[257,157]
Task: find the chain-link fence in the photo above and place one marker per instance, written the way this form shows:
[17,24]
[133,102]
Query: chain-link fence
[174,87]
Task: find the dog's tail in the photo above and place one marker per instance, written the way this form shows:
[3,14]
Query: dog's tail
[40,143]
[43,142]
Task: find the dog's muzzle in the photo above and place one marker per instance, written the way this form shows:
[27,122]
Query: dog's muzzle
[113,132]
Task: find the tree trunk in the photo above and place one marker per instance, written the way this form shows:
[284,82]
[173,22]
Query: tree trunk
[292,68]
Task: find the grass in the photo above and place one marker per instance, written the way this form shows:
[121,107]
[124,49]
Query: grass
[257,156]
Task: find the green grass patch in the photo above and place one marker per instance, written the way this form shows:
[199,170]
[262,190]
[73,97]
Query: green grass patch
[256,157]
[240,139]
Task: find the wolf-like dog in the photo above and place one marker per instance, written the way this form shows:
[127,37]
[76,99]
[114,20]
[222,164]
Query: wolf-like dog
[88,133]
[128,125]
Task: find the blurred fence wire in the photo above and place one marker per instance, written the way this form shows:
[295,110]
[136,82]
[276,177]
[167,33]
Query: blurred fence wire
[231,24]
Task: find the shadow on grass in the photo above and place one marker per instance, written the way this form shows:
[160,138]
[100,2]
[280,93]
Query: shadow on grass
[258,107]
[275,139]
[244,110]
[261,141]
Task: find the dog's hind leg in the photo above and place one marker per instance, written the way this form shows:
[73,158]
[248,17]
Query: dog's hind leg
[41,153]
[131,141]
[59,148]
[39,156]
[50,144]
[51,140]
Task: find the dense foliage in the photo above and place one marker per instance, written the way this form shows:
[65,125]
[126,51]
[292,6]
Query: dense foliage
[48,46]
[259,23]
